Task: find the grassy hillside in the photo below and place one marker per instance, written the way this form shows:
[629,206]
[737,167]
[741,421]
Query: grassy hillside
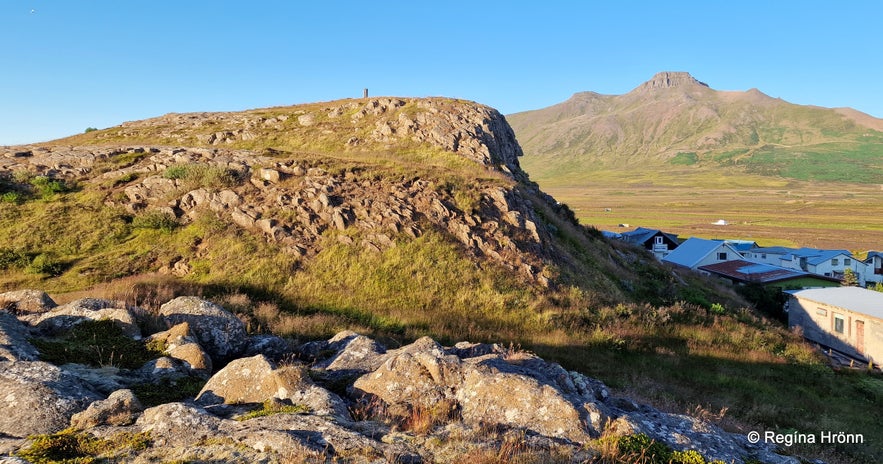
[678,341]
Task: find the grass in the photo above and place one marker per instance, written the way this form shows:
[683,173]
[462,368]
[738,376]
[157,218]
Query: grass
[96,343]
[270,408]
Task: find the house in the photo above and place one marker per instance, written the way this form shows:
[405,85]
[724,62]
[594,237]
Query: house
[768,275]
[742,246]
[657,241]
[830,263]
[874,267]
[696,252]
[769,255]
[848,319]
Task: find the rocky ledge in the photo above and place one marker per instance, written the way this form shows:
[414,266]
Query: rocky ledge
[260,399]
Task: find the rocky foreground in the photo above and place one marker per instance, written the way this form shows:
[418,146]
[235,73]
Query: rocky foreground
[346,399]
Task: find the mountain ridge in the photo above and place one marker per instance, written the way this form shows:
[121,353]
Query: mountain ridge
[674,113]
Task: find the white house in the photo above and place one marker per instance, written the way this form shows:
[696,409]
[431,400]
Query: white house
[829,263]
[697,252]
[848,319]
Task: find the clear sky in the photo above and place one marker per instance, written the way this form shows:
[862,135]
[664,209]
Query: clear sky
[72,64]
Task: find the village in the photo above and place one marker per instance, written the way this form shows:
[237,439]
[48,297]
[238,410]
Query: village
[828,292]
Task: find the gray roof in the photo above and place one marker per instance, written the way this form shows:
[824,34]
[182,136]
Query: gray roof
[642,234]
[815,256]
[694,250]
[855,299]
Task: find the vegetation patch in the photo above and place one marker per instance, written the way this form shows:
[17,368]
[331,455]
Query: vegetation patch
[95,343]
[167,390]
[685,159]
[77,447]
[271,408]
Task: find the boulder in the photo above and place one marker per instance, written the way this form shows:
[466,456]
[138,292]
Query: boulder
[26,302]
[256,380]
[274,348]
[14,344]
[418,375]
[39,398]
[120,408]
[178,424]
[179,343]
[64,317]
[220,333]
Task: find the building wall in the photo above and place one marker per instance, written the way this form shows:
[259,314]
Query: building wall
[826,268]
[818,321]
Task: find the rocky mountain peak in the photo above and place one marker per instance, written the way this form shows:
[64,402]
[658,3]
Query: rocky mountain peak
[669,79]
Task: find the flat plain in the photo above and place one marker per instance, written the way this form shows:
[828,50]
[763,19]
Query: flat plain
[770,211]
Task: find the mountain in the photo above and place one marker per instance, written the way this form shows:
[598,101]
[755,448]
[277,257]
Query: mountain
[674,120]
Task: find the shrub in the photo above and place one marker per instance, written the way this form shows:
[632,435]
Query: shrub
[90,129]
[12,197]
[10,259]
[46,187]
[45,263]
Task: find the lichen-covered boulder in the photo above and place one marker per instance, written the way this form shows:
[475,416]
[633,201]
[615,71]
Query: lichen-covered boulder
[14,345]
[178,424]
[256,379]
[64,317]
[22,302]
[220,333]
[39,398]
[178,342]
[120,408]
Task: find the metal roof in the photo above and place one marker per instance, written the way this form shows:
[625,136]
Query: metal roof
[747,271]
[855,299]
[642,234]
[694,250]
[816,256]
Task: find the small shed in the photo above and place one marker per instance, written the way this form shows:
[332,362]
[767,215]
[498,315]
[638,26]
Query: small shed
[848,319]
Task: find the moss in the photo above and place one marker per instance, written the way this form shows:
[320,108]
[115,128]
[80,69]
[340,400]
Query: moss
[76,447]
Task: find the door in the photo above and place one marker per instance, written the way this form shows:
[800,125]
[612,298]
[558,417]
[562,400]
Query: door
[860,336]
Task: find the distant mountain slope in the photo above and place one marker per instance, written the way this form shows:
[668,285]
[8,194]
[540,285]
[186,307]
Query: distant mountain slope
[675,120]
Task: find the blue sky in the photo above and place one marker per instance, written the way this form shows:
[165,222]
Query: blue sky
[68,64]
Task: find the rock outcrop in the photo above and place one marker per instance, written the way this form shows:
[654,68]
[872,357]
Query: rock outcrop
[348,396]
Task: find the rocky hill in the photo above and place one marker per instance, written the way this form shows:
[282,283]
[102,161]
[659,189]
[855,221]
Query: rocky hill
[203,390]
[674,120]
[394,218]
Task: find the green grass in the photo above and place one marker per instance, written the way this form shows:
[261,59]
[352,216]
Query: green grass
[95,343]
[76,447]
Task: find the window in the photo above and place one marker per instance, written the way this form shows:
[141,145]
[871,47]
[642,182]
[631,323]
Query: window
[847,261]
[822,312]
[835,262]
[659,240]
[722,256]
[763,256]
[838,323]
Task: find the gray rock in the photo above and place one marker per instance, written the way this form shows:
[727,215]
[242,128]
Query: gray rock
[274,348]
[178,424]
[64,317]
[14,344]
[256,379]
[179,343]
[26,302]
[39,398]
[120,408]
[220,333]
